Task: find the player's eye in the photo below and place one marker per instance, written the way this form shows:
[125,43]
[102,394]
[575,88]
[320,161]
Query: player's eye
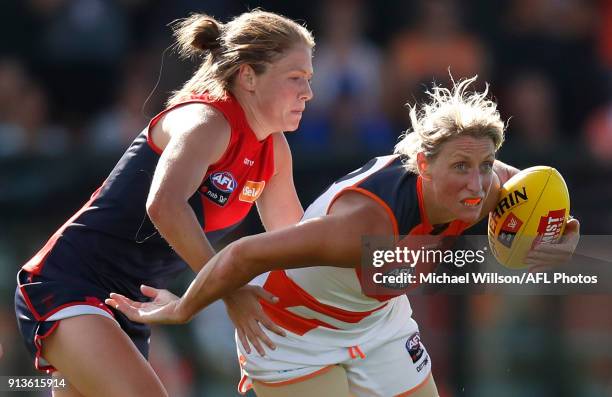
[460,166]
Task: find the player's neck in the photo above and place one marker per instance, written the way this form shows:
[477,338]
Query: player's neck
[252,115]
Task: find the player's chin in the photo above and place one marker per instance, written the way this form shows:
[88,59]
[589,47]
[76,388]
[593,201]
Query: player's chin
[468,214]
[290,127]
[292,122]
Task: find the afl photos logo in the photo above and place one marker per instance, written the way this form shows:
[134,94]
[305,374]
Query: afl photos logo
[219,186]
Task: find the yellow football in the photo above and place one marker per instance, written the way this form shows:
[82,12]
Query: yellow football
[533,208]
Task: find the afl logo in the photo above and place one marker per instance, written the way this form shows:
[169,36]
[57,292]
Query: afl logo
[224,181]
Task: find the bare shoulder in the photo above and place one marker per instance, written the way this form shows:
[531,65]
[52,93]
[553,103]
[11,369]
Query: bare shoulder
[194,116]
[362,212]
[192,119]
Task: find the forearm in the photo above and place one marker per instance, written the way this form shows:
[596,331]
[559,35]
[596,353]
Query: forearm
[332,240]
[504,171]
[224,273]
[238,263]
[179,226]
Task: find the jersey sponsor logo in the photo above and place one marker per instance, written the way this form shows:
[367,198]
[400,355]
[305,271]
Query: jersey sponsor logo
[251,191]
[248,162]
[224,181]
[414,347]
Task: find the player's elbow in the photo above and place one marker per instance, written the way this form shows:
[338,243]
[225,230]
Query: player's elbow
[159,207]
[238,264]
[155,209]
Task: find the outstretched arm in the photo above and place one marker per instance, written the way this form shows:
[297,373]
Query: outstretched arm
[332,240]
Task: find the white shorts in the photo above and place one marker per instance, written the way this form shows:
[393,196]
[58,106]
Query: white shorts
[380,367]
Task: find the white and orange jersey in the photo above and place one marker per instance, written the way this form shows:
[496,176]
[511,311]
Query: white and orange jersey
[326,304]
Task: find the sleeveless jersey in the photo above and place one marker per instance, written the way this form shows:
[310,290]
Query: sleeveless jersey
[112,237]
[325,304]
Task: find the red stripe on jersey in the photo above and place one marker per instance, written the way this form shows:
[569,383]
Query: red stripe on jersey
[292,295]
[35,264]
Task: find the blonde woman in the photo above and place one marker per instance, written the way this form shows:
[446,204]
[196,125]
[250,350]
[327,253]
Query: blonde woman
[441,180]
[188,178]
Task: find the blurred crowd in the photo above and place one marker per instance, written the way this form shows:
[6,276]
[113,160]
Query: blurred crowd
[74,75]
[79,79]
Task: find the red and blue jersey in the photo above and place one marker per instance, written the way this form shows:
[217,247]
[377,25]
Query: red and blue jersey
[112,241]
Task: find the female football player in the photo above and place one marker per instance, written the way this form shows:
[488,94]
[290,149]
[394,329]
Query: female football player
[440,181]
[187,179]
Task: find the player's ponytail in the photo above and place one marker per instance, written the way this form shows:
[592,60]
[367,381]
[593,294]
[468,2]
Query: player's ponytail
[199,34]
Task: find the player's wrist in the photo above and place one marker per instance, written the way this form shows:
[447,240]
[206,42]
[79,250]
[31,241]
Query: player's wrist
[182,312]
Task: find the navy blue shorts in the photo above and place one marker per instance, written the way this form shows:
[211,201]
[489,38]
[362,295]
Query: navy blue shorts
[41,303]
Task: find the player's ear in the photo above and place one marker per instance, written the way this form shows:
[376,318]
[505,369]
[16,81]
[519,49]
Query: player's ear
[246,77]
[423,166]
